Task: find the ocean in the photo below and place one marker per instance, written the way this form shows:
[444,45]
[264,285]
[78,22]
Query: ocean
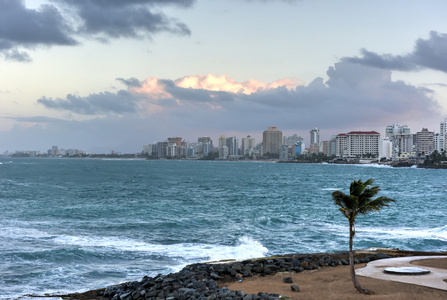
[71,225]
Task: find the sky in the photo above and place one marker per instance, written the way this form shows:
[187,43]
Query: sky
[102,75]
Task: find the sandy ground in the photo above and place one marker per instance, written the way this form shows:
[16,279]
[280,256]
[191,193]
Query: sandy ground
[335,283]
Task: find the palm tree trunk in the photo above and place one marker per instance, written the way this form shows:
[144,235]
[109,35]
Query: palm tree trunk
[351,263]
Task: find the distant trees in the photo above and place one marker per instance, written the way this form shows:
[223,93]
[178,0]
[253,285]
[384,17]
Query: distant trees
[314,157]
[359,201]
[436,158]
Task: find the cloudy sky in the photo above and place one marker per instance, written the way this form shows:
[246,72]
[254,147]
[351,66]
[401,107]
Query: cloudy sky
[103,75]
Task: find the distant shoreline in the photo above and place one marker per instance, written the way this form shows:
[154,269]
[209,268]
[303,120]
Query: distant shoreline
[399,164]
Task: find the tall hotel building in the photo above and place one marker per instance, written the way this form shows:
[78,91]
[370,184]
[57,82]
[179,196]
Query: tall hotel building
[271,139]
[357,143]
[424,142]
[314,136]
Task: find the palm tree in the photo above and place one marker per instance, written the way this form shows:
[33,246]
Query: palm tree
[359,201]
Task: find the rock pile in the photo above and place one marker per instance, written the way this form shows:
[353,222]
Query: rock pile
[201,281]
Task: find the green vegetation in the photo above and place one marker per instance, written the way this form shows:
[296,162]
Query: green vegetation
[314,157]
[436,158]
[359,201]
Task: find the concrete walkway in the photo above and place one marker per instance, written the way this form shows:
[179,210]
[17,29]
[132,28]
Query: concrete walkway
[434,279]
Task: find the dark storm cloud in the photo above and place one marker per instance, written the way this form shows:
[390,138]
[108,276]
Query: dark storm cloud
[432,53]
[428,53]
[119,103]
[129,19]
[29,28]
[65,21]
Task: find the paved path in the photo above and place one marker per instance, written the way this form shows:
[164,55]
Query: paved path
[434,279]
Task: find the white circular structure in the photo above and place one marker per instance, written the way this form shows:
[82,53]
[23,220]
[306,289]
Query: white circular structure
[406,271]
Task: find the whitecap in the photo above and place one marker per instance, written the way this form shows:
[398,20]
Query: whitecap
[245,249]
[373,166]
[439,233]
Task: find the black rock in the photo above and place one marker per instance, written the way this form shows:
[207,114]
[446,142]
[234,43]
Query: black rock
[295,288]
[287,280]
[381,256]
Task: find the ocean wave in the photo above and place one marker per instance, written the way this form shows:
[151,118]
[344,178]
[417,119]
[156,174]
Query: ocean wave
[439,233]
[246,248]
[373,166]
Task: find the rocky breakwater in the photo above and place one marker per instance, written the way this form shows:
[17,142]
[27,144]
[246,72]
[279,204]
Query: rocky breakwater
[207,280]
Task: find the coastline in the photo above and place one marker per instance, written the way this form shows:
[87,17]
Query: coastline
[210,279]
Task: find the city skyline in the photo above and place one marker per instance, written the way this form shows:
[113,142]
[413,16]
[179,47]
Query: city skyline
[71,75]
[396,130]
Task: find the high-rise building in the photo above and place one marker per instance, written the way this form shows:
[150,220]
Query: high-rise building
[401,139]
[285,152]
[443,127]
[357,144]
[363,142]
[204,147]
[332,146]
[271,139]
[443,136]
[222,141]
[424,142]
[222,149]
[341,146]
[233,146]
[439,142]
[385,148]
[162,149]
[248,145]
[314,136]
[223,152]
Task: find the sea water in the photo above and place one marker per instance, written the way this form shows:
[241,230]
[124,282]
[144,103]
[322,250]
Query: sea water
[70,225]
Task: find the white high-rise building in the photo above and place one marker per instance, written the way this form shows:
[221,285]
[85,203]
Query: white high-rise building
[401,139]
[363,142]
[248,145]
[385,148]
[233,146]
[439,142]
[341,145]
[357,144]
[223,149]
[315,136]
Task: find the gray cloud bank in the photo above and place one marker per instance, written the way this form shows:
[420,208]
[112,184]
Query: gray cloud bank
[428,53]
[355,97]
[65,21]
